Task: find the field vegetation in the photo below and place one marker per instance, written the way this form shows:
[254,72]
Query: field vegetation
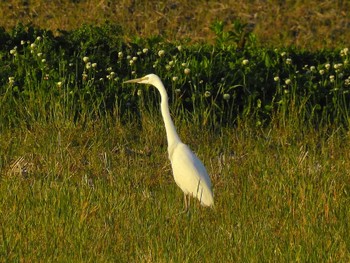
[84,174]
[310,24]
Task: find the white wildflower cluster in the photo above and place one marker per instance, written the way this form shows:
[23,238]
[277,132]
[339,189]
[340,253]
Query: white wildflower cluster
[337,67]
[88,64]
[344,52]
[226,96]
[161,53]
[11,80]
[245,62]
[170,65]
[207,94]
[14,51]
[132,60]
[288,61]
[347,81]
[111,75]
[187,71]
[288,81]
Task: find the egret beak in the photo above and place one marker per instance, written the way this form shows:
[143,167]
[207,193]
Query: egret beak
[139,80]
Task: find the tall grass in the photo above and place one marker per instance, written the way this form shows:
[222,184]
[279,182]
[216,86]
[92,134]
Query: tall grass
[84,168]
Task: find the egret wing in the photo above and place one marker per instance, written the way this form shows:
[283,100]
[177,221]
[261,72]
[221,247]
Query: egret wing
[190,174]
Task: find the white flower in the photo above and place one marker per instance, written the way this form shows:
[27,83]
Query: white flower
[161,53]
[13,52]
[59,84]
[187,71]
[131,62]
[245,62]
[167,67]
[171,62]
[138,53]
[331,78]
[327,66]
[145,50]
[139,92]
[287,81]
[288,61]
[184,64]
[84,75]
[134,58]
[120,54]
[43,60]
[86,59]
[39,54]
[38,38]
[207,94]
[175,78]
[277,78]
[88,65]
[94,65]
[128,57]
[347,82]
[227,96]
[344,52]
[283,54]
[11,80]
[313,68]
[109,69]
[321,71]
[179,48]
[337,66]
[23,42]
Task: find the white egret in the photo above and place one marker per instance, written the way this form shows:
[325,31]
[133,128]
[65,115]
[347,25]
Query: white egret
[189,172]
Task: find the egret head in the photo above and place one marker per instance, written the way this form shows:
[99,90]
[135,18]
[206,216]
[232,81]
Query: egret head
[148,79]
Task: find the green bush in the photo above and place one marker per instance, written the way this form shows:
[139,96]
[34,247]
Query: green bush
[237,77]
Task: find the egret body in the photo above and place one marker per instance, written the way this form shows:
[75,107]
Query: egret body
[189,172]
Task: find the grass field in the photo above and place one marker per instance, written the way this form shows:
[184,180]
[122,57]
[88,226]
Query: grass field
[102,191]
[84,172]
[306,24]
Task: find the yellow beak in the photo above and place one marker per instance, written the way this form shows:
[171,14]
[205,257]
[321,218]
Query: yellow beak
[136,80]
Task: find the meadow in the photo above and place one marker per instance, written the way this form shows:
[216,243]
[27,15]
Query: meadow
[83,162]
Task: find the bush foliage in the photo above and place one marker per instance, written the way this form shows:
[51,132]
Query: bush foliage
[214,84]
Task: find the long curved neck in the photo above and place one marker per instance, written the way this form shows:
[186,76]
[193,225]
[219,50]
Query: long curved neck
[171,133]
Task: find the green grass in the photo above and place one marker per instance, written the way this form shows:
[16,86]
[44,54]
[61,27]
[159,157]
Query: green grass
[84,174]
[104,192]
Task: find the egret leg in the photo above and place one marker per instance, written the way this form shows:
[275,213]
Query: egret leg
[186,205]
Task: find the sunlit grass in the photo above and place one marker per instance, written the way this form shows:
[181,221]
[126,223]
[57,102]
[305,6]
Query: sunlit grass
[84,173]
[105,192]
[305,24]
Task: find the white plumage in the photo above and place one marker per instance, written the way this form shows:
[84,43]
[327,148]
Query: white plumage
[189,172]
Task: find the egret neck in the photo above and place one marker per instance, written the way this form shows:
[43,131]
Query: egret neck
[171,133]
